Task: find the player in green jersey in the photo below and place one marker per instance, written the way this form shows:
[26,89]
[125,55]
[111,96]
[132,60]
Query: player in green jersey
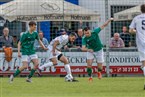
[91,44]
[26,44]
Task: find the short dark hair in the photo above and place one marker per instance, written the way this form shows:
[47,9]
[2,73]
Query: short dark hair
[31,23]
[86,29]
[73,34]
[142,8]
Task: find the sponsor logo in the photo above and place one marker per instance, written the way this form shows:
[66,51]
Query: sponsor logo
[51,7]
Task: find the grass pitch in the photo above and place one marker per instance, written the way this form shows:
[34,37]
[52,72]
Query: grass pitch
[56,87]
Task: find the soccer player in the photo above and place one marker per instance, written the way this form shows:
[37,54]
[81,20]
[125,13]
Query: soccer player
[138,26]
[91,44]
[26,44]
[54,54]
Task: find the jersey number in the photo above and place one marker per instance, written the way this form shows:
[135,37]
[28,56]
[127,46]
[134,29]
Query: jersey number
[143,24]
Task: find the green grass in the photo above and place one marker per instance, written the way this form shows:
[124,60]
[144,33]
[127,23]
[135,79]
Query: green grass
[56,87]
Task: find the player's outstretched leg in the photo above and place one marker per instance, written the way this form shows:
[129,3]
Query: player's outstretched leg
[99,73]
[49,64]
[18,71]
[89,66]
[89,71]
[99,70]
[28,79]
[69,76]
[14,75]
[32,72]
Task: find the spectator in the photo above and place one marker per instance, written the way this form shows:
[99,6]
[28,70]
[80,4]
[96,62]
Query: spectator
[7,44]
[6,39]
[15,42]
[78,42]
[44,40]
[116,41]
[125,36]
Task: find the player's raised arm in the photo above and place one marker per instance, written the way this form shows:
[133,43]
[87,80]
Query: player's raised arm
[106,23]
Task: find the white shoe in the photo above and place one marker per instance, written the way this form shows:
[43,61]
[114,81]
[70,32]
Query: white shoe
[11,79]
[28,80]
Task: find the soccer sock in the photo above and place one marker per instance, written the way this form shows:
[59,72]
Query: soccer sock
[31,73]
[89,70]
[49,64]
[99,69]
[144,70]
[67,68]
[17,73]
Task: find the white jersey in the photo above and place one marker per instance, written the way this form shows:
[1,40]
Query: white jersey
[63,40]
[138,23]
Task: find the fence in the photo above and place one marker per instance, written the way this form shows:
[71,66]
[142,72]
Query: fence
[72,15]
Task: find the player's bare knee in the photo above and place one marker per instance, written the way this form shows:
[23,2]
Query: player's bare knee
[65,62]
[25,66]
[36,66]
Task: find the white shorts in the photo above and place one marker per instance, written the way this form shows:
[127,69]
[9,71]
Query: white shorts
[28,58]
[50,54]
[99,56]
[142,56]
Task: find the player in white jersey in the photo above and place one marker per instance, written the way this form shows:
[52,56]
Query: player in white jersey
[54,54]
[138,26]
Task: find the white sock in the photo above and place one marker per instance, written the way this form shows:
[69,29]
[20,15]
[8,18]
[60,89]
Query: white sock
[144,70]
[67,68]
[49,64]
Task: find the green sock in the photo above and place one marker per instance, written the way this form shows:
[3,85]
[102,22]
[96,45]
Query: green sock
[99,69]
[31,73]
[17,73]
[89,70]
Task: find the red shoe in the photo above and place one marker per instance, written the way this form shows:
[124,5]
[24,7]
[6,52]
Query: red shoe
[90,79]
[99,75]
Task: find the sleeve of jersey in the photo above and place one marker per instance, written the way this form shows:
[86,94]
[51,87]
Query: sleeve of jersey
[37,36]
[132,25]
[61,39]
[83,41]
[22,38]
[97,30]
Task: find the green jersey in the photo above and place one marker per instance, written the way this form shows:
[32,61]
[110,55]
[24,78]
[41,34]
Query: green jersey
[27,43]
[93,42]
